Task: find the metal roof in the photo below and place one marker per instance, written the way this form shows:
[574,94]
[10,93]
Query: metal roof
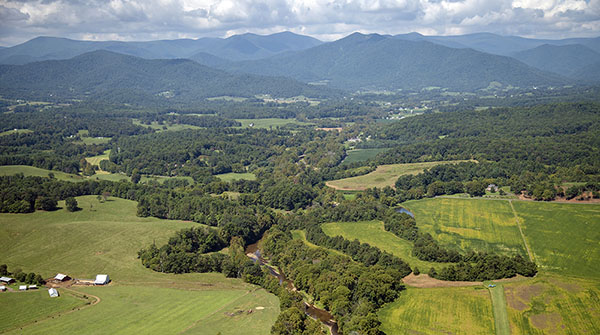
[60,276]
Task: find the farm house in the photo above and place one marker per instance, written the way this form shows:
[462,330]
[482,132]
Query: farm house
[53,293]
[7,280]
[101,280]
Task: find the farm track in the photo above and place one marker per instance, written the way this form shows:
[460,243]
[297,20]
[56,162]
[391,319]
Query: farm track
[521,231]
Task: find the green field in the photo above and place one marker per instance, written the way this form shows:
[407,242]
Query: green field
[105,238]
[501,323]
[469,224]
[9,170]
[373,233]
[165,127]
[359,155]
[384,175]
[16,131]
[95,160]
[268,123]
[564,238]
[19,308]
[231,176]
[454,310]
[553,305]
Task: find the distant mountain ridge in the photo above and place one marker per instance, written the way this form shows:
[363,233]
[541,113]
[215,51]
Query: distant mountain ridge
[385,62]
[567,60]
[237,47]
[121,78]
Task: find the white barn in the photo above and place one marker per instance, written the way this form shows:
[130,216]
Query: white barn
[53,293]
[61,277]
[101,280]
[7,280]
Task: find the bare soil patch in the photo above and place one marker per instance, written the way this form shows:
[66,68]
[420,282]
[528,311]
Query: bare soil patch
[513,301]
[424,281]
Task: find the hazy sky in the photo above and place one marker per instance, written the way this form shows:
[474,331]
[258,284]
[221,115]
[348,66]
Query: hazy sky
[21,20]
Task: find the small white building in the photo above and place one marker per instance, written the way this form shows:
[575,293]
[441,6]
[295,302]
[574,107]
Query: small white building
[53,293]
[32,287]
[7,280]
[2,288]
[23,288]
[61,277]
[101,280]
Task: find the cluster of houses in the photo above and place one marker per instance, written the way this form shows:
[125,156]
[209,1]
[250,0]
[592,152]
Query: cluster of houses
[53,292]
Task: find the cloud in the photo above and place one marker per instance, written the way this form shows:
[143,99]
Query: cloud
[151,19]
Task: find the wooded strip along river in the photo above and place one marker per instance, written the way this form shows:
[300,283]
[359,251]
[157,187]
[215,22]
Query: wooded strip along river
[311,310]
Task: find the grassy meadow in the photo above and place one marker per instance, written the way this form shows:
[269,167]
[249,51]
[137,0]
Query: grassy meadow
[550,304]
[105,238]
[231,176]
[501,322]
[95,160]
[469,224]
[564,238]
[359,155]
[9,170]
[373,233]
[16,131]
[448,310]
[270,122]
[384,175]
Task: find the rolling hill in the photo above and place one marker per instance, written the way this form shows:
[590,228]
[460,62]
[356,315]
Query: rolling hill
[384,62]
[566,60]
[127,79]
[236,47]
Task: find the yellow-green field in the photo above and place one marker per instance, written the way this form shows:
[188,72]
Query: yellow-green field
[564,238]
[469,224]
[165,127]
[373,233]
[384,175]
[359,155]
[451,310]
[95,160]
[550,304]
[231,176]
[16,131]
[105,238]
[9,170]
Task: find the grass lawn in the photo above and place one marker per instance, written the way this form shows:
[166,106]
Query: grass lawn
[564,238]
[469,224]
[19,308]
[268,123]
[236,176]
[165,127]
[359,155]
[384,175]
[105,238]
[9,170]
[551,304]
[16,131]
[373,233]
[499,306]
[453,310]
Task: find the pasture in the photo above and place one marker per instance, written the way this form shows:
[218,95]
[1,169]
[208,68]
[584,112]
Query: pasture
[384,175]
[105,238]
[95,160]
[359,155]
[231,176]
[564,238]
[10,170]
[16,131]
[469,224]
[373,233]
[550,304]
[448,310]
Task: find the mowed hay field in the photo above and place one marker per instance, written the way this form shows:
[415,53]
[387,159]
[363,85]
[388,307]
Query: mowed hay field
[384,175]
[10,170]
[105,238]
[359,155]
[550,304]
[373,233]
[469,224]
[451,310]
[564,238]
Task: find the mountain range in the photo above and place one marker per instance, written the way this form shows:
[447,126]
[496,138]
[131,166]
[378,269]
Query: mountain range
[287,64]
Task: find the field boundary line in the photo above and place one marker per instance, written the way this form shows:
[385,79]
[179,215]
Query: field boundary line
[521,230]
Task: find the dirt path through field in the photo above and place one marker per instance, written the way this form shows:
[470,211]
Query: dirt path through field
[521,230]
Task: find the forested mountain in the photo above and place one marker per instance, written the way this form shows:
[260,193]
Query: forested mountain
[127,79]
[384,62]
[566,60]
[236,47]
[497,44]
